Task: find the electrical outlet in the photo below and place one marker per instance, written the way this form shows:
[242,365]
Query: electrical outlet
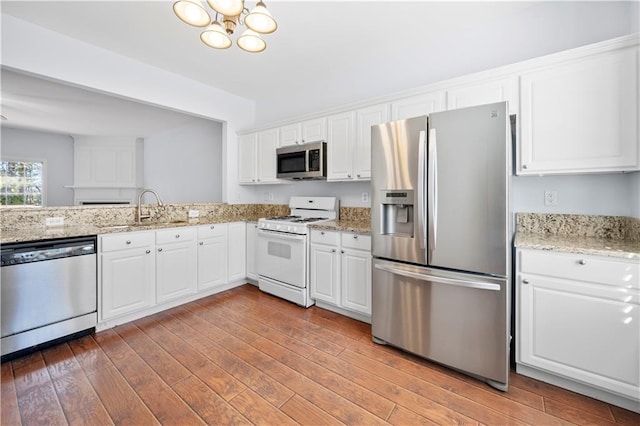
[365,197]
[550,198]
[271,196]
[194,213]
[54,221]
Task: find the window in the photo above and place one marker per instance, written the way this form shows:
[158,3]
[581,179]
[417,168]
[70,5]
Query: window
[21,183]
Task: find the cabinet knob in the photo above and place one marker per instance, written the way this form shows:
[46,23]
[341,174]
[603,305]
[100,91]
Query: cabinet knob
[525,281]
[213,227]
[524,166]
[302,140]
[348,176]
[582,262]
[177,235]
[201,243]
[358,175]
[355,237]
[321,232]
[128,242]
[342,251]
[148,251]
[160,249]
[253,180]
[333,250]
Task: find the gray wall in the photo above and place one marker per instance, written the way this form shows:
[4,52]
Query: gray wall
[185,164]
[56,150]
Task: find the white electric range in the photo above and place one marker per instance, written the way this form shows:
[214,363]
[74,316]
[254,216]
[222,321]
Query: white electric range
[283,247]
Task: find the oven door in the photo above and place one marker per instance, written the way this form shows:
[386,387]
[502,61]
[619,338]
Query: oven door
[283,257]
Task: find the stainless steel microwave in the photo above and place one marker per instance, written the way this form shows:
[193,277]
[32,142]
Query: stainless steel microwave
[306,161]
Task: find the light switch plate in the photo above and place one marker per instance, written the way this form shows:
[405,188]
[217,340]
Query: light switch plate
[54,221]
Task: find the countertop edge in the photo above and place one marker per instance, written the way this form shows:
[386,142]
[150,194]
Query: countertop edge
[622,249]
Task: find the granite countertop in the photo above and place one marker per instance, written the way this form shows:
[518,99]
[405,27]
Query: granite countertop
[42,233]
[354,225]
[579,244]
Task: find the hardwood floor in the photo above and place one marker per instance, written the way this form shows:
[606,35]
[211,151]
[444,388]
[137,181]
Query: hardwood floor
[244,357]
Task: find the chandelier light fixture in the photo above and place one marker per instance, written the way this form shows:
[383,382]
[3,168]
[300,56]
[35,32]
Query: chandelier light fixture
[228,15]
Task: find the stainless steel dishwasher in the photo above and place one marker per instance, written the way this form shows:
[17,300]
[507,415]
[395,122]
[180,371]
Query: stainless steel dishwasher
[49,291]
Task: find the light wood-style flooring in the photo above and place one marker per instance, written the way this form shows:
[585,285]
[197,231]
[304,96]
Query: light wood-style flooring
[244,357]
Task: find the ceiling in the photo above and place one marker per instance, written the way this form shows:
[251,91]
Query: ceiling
[320,43]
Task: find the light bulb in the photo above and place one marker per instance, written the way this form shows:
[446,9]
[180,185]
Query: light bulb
[192,12]
[215,36]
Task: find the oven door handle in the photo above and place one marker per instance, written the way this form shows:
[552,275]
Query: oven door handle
[275,235]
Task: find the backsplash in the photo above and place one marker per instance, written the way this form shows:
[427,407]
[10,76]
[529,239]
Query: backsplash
[12,218]
[355,213]
[613,227]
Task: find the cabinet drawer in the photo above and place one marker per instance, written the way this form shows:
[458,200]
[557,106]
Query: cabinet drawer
[356,241]
[127,240]
[596,269]
[325,237]
[175,235]
[213,230]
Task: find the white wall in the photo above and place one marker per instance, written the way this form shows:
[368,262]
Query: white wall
[33,49]
[615,194]
[56,150]
[185,164]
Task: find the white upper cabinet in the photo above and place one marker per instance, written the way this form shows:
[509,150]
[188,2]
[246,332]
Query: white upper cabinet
[340,143]
[257,157]
[291,134]
[349,142]
[247,158]
[365,118]
[581,115]
[484,92]
[314,130]
[304,132]
[268,142]
[415,106]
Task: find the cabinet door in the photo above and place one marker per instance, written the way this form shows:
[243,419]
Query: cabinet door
[355,280]
[365,118]
[580,331]
[314,130]
[486,92]
[290,134]
[247,165]
[237,250]
[340,143]
[176,270]
[417,105]
[581,116]
[268,141]
[212,262]
[128,281]
[252,244]
[324,273]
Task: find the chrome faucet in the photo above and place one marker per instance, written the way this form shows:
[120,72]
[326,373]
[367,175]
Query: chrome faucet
[147,216]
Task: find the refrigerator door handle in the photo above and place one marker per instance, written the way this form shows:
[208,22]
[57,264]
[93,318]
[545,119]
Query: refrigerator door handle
[440,280]
[422,229]
[433,192]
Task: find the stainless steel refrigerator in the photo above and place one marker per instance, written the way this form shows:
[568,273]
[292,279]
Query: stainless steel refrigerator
[440,225]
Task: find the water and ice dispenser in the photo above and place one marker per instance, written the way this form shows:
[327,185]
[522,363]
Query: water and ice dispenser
[396,212]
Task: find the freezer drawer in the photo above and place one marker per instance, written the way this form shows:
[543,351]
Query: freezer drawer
[459,320]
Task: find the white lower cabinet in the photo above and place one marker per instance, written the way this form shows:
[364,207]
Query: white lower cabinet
[252,241]
[127,264]
[237,248]
[340,272]
[144,272]
[578,318]
[212,256]
[176,264]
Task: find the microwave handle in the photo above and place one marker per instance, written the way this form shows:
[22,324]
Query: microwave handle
[306,160]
